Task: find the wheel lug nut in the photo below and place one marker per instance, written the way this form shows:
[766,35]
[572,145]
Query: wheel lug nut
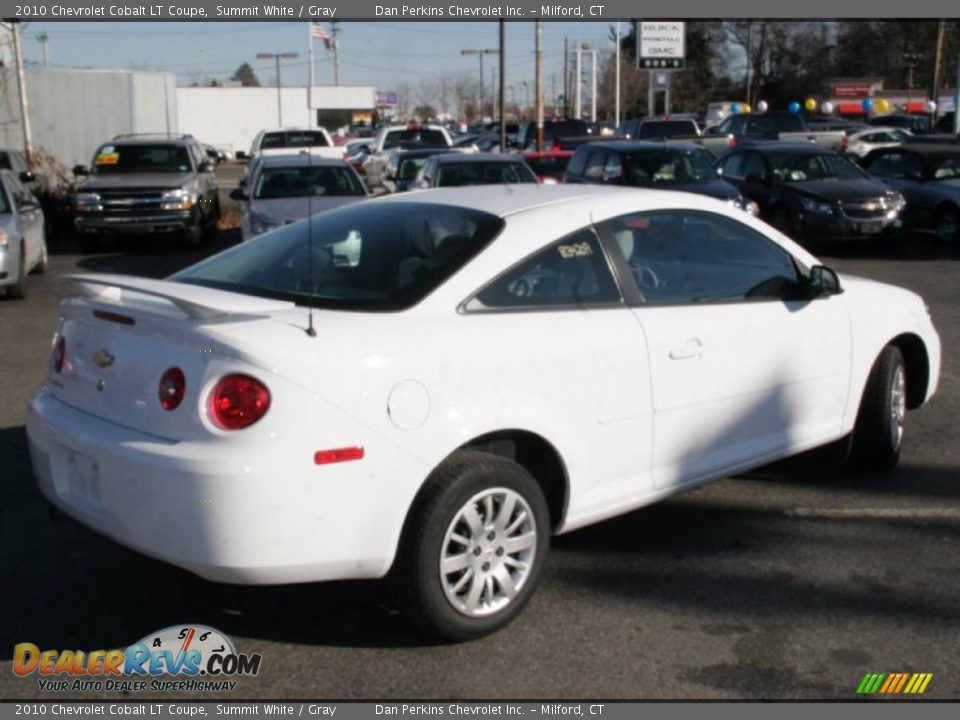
[485,566]
[499,552]
[476,551]
[491,535]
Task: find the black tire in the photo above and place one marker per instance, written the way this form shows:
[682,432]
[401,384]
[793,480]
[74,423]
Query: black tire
[416,578]
[18,290]
[876,443]
[946,224]
[210,228]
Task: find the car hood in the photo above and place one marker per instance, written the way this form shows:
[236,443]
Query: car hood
[715,188]
[279,211]
[845,190]
[127,181]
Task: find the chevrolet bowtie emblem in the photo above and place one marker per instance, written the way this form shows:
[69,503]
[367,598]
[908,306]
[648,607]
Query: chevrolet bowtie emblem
[102,358]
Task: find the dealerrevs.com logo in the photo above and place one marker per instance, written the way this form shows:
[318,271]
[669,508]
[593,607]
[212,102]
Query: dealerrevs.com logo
[200,657]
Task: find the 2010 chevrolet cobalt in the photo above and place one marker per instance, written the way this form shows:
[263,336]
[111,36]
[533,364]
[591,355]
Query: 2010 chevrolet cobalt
[430,387]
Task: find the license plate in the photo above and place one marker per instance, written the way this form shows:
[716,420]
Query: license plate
[80,480]
[871,227]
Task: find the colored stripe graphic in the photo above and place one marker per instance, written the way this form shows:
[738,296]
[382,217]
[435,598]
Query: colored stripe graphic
[894,683]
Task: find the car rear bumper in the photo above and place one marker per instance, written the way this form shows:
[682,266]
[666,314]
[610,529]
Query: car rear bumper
[250,516]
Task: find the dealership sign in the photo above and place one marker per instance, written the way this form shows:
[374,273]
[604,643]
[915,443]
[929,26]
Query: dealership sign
[661,45]
[386,99]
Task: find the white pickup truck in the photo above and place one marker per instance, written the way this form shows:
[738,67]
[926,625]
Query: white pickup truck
[291,141]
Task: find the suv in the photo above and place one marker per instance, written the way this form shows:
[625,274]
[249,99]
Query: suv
[146,184]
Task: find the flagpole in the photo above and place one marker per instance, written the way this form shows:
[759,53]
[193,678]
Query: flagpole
[310,80]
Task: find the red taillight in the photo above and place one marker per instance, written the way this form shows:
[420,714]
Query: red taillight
[346,155]
[325,457]
[732,141]
[844,141]
[59,354]
[238,401]
[173,385]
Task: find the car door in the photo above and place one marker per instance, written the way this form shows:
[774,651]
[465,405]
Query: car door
[756,181]
[741,370]
[30,215]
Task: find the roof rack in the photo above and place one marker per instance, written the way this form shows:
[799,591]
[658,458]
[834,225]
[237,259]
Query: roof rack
[167,136]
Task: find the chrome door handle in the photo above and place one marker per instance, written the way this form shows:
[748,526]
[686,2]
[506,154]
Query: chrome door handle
[692,348]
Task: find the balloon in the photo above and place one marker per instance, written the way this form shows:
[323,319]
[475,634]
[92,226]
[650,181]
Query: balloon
[827,107]
[746,108]
[931,106]
[867,105]
[810,104]
[762,106]
[794,107]
[734,108]
[882,105]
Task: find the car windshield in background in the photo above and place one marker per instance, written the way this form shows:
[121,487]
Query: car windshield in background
[377,257]
[289,182]
[483,173]
[414,138]
[666,129]
[641,168]
[945,166]
[293,138]
[801,167]
[409,167]
[549,166]
[568,128]
[111,159]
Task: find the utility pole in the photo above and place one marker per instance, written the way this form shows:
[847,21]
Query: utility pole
[956,101]
[480,53]
[937,64]
[593,85]
[538,83]
[335,42]
[616,104]
[577,106]
[503,90]
[566,77]
[44,41]
[277,57]
[22,90]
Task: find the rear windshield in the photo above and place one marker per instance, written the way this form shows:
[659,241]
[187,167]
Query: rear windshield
[423,137]
[288,182]
[667,129]
[115,159]
[764,123]
[378,257]
[483,173]
[293,138]
[549,166]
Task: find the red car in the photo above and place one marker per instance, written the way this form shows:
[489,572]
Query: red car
[550,165]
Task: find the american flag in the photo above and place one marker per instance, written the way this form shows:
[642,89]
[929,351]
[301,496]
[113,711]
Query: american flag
[317,31]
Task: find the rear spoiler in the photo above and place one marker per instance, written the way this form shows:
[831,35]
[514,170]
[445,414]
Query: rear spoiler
[198,303]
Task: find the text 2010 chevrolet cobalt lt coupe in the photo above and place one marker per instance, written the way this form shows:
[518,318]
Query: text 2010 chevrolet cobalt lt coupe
[430,387]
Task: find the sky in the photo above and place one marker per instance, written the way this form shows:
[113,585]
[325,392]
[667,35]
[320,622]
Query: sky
[380,54]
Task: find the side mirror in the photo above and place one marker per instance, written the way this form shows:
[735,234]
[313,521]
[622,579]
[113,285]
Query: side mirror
[238,194]
[27,177]
[823,281]
[81,170]
[206,167]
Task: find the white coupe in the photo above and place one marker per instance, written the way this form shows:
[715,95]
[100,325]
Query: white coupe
[429,387]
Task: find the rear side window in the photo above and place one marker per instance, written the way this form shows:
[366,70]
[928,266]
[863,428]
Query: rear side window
[595,162]
[363,257]
[578,161]
[476,173]
[572,272]
[896,165]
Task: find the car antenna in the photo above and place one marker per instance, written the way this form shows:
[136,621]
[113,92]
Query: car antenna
[311,330]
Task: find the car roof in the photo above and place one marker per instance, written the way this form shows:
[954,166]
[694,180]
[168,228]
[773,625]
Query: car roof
[625,145]
[299,160]
[150,139]
[789,148]
[464,158]
[504,200]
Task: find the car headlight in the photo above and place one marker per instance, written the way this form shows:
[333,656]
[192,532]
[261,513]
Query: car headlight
[896,202]
[179,199]
[815,207]
[741,203]
[86,202]
[260,224]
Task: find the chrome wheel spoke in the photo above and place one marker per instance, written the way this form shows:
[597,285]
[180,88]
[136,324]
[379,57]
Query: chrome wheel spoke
[505,581]
[506,510]
[516,523]
[455,563]
[472,518]
[462,582]
[520,543]
[472,600]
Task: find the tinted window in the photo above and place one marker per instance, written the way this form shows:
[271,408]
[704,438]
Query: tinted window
[754,165]
[896,165]
[679,256]
[667,129]
[732,165]
[945,166]
[571,272]
[801,167]
[483,173]
[764,123]
[111,159]
[288,182]
[382,257]
[424,137]
[578,162]
[294,138]
[595,161]
[653,166]
[550,166]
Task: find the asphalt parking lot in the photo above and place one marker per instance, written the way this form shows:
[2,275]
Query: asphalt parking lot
[791,582]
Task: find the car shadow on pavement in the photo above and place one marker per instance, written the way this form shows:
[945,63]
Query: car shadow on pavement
[151,257]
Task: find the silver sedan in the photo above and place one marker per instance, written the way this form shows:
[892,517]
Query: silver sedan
[23,245]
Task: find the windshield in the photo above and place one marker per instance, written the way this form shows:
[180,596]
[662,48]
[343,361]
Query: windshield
[116,159]
[641,168]
[377,257]
[802,167]
[423,137]
[666,129]
[483,173]
[289,182]
[293,138]
[945,167]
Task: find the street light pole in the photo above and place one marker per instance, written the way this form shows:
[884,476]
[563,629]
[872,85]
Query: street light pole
[277,57]
[480,53]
